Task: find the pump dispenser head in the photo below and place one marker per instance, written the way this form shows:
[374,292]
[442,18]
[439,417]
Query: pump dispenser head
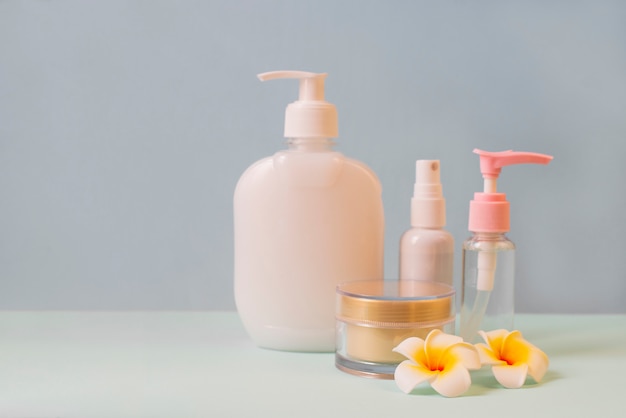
[428,207]
[490,211]
[310,116]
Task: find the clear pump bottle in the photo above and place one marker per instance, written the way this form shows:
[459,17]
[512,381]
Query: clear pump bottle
[487,300]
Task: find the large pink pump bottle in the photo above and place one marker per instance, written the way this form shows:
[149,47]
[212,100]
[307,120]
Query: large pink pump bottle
[306,219]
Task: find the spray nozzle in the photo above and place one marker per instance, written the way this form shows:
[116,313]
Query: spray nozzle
[428,207]
[310,116]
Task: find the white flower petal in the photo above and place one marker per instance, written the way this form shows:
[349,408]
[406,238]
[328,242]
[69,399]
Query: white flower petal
[439,338]
[484,336]
[511,377]
[452,382]
[464,353]
[518,350]
[495,338]
[487,356]
[537,364]
[410,348]
[408,375]
[437,342]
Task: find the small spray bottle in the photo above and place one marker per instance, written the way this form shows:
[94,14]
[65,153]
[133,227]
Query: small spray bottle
[488,255]
[427,250]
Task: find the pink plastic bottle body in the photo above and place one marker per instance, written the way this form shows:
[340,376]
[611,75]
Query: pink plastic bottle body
[427,254]
[305,220]
[427,250]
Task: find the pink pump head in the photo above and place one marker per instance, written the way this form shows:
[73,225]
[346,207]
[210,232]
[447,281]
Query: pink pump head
[490,211]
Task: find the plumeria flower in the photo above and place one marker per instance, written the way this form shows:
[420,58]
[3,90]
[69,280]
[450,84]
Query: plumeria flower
[511,357]
[443,360]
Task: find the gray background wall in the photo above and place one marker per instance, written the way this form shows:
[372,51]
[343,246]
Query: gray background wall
[124,127]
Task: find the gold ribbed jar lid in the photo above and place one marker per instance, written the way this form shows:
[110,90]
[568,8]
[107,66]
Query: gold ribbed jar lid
[395,303]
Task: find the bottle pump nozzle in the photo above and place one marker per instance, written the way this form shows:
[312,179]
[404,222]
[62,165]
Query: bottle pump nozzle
[491,164]
[490,211]
[310,116]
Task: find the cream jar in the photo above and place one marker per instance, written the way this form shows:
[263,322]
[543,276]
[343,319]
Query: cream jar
[374,316]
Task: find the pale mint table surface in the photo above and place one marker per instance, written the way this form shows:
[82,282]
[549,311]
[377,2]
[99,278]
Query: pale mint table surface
[202,364]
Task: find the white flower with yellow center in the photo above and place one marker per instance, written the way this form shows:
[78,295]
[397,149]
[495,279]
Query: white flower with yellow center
[443,360]
[512,357]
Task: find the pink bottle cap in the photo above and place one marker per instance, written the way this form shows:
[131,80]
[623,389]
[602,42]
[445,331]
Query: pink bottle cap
[489,212]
